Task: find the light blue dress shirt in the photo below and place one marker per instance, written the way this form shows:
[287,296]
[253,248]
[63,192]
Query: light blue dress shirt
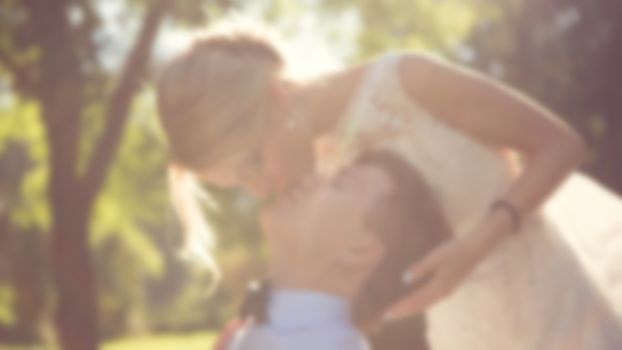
[302,320]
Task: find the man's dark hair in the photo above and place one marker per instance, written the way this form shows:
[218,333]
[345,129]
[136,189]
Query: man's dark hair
[409,222]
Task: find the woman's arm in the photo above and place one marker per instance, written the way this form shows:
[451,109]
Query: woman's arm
[495,114]
[503,118]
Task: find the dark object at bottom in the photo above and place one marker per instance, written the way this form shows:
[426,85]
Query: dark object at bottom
[407,334]
[256,300]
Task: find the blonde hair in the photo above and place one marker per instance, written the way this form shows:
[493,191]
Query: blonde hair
[217,88]
[213,101]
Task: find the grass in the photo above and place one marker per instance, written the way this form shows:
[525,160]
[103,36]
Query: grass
[191,341]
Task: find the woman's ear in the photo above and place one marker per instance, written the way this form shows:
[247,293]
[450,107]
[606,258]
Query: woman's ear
[364,252]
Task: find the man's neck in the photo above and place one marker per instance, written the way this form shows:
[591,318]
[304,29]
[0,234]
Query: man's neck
[340,282]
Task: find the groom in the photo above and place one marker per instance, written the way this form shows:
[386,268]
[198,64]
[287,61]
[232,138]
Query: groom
[338,250]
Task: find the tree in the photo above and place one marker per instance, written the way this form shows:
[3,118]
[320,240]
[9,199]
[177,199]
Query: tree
[58,74]
[566,54]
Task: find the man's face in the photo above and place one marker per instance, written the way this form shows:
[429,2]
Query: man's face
[325,215]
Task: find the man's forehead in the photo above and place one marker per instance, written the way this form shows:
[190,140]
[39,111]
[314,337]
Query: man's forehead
[372,178]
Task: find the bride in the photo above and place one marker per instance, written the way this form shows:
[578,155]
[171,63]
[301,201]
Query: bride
[233,118]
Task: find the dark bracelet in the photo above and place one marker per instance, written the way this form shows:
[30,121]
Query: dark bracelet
[509,208]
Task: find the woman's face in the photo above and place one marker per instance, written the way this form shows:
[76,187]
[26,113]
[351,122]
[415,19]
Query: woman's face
[327,211]
[280,159]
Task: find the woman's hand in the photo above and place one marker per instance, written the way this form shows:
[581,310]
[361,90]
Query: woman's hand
[442,270]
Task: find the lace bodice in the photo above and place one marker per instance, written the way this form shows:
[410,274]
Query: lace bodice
[465,174]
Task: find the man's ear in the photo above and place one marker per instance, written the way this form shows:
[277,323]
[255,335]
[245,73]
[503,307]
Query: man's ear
[363,252]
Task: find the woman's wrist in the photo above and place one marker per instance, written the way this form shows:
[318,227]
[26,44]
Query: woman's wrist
[494,228]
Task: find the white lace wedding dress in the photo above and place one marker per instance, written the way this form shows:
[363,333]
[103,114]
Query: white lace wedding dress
[555,285]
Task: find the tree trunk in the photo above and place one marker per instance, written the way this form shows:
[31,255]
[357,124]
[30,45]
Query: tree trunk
[607,98]
[71,196]
[76,308]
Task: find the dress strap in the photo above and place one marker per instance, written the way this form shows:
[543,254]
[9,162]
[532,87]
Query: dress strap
[360,104]
[383,67]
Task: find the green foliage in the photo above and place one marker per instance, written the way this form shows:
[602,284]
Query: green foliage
[190,341]
[274,10]
[134,201]
[7,300]
[430,25]
[21,129]
[193,341]
[135,194]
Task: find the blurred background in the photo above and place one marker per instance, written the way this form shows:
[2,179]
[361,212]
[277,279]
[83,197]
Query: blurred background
[88,237]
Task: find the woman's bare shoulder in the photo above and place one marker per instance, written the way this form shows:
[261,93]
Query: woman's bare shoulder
[337,89]
[344,82]
[416,65]
[419,69]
